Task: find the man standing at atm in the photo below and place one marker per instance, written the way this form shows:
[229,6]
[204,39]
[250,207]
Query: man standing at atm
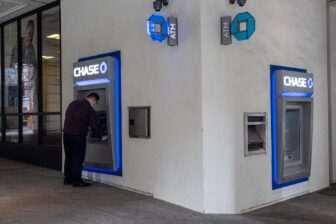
[79,116]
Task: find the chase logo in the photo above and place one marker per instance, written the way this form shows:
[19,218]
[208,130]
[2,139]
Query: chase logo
[299,82]
[159,28]
[310,83]
[103,67]
[93,69]
[242,27]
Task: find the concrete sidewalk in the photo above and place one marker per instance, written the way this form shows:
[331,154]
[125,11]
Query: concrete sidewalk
[33,195]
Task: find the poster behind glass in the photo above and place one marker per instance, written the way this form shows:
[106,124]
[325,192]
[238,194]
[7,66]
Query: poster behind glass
[0,98]
[11,68]
[29,65]
[29,79]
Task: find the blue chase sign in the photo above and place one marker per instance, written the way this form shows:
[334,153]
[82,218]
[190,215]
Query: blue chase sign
[159,28]
[242,27]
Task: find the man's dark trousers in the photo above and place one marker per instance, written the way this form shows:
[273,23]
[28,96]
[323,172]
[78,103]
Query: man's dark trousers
[74,147]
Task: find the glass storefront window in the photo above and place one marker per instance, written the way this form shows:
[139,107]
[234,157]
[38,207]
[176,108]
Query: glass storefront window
[0,96]
[12,129]
[40,89]
[11,68]
[51,78]
[0,128]
[30,129]
[52,134]
[0,89]
[29,65]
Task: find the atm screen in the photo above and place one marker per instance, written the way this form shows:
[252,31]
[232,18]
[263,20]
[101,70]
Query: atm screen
[293,146]
[102,123]
[101,106]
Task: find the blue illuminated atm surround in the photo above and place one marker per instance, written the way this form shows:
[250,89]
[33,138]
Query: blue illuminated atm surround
[273,69]
[117,56]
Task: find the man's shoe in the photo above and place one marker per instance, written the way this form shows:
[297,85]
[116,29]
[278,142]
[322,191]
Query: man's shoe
[67,182]
[81,184]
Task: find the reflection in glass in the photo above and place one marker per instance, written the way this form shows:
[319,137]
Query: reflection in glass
[52,130]
[29,65]
[293,136]
[0,97]
[30,129]
[12,129]
[30,80]
[0,128]
[11,68]
[0,92]
[51,79]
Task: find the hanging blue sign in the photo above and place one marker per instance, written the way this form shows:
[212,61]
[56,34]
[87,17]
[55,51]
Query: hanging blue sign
[243,26]
[157,28]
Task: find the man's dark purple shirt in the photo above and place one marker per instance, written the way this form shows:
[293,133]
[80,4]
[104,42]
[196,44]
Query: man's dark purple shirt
[78,117]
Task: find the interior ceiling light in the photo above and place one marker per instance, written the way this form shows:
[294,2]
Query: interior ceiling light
[54,36]
[47,57]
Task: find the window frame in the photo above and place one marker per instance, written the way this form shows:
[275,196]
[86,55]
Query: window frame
[40,113]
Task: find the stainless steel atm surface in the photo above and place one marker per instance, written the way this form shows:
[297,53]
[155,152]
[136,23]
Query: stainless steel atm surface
[292,125]
[99,76]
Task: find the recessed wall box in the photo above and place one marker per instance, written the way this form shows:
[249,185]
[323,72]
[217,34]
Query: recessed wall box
[255,133]
[139,122]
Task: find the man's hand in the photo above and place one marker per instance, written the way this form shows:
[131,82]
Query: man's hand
[104,138]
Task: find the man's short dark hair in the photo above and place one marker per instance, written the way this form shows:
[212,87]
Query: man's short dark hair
[93,95]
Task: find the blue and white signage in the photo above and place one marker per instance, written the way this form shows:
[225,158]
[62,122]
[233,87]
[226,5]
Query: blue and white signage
[300,82]
[242,27]
[159,29]
[96,71]
[91,69]
[103,67]
[296,84]
[173,31]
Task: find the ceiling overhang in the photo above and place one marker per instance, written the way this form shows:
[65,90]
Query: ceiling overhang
[10,9]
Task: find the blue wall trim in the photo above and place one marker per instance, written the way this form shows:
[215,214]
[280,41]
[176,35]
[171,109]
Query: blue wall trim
[297,94]
[117,56]
[275,184]
[92,82]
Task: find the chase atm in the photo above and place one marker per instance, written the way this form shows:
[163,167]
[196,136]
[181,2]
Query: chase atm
[101,74]
[292,120]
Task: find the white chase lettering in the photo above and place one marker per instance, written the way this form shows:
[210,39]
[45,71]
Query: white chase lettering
[295,82]
[86,70]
